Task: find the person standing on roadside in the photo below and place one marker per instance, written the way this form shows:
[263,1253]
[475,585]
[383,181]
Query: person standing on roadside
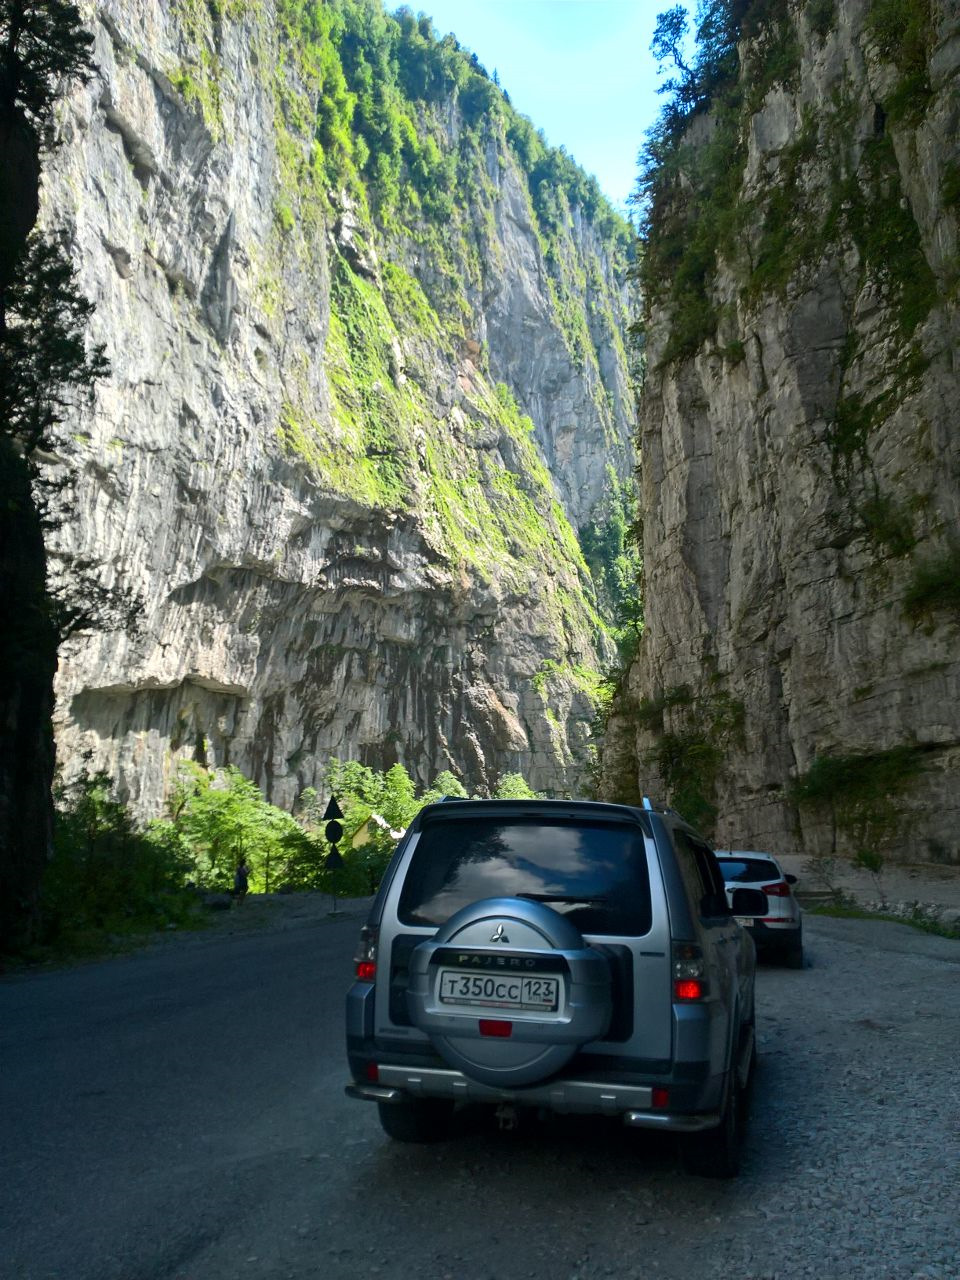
[241,880]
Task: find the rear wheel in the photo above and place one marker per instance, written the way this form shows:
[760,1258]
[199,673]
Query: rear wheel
[794,957]
[416,1119]
[715,1153]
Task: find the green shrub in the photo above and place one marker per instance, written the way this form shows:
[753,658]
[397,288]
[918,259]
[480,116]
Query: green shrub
[904,33]
[689,756]
[887,526]
[108,878]
[863,794]
[934,587]
[950,186]
[513,786]
[822,16]
[221,817]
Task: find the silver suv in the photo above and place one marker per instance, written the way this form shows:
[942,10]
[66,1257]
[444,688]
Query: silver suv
[561,955]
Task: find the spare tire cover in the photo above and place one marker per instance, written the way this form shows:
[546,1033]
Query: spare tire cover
[504,939]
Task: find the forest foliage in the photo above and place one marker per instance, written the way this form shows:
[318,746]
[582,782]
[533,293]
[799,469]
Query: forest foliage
[111,877]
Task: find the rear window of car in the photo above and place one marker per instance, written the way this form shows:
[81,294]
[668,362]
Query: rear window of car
[594,873]
[748,869]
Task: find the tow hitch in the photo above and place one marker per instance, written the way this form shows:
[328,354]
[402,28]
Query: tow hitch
[507,1117]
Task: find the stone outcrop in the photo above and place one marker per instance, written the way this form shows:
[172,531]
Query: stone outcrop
[801,462]
[341,534]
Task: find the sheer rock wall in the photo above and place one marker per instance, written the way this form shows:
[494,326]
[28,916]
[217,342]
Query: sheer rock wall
[801,468]
[287,610]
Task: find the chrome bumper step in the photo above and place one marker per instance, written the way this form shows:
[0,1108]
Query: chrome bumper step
[572,1097]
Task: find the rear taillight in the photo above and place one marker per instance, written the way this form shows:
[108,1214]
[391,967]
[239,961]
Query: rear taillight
[778,890]
[366,956]
[689,974]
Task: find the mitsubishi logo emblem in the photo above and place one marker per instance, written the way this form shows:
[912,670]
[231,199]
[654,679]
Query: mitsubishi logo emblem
[500,936]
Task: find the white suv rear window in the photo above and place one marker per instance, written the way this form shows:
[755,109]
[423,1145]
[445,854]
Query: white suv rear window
[748,869]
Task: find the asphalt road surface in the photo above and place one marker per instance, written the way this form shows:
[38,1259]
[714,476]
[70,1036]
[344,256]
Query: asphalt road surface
[179,1115]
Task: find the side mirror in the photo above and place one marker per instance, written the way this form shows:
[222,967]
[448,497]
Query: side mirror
[749,902]
[790,879]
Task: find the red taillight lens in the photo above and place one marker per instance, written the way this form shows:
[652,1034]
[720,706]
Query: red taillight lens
[496,1027]
[688,989]
[373,1073]
[366,970]
[660,1098]
[778,890]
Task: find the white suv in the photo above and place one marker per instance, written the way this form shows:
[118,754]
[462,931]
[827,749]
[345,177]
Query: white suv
[780,929]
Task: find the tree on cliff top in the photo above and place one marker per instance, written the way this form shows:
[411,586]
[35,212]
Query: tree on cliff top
[42,46]
[43,364]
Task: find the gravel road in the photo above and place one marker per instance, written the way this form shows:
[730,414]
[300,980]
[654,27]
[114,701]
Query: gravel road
[179,1115]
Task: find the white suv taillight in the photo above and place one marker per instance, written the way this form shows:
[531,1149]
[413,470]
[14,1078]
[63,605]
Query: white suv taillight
[366,956]
[778,890]
[689,974]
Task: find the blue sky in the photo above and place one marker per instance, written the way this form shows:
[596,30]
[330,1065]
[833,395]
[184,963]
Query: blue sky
[580,69]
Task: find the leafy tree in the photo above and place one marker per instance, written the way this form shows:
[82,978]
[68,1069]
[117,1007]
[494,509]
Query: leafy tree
[221,816]
[668,40]
[513,786]
[445,784]
[106,876]
[380,801]
[610,545]
[43,364]
[42,47]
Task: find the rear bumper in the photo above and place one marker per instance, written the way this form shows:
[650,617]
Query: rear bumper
[632,1103]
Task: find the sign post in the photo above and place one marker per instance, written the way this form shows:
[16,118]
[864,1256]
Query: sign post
[334,833]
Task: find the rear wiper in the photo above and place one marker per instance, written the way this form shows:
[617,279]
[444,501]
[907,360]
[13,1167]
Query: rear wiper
[561,897]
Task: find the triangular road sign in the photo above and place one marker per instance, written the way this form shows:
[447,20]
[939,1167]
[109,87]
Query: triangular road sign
[332,810]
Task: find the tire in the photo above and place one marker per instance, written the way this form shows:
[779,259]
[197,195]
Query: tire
[416,1120]
[751,1070]
[793,959]
[715,1153]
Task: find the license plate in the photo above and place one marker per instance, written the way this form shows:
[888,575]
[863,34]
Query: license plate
[746,921]
[541,994]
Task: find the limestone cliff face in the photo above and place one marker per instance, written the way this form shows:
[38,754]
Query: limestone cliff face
[311,463]
[800,671]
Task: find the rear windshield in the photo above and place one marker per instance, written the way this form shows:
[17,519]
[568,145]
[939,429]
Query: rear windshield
[594,873]
[748,869]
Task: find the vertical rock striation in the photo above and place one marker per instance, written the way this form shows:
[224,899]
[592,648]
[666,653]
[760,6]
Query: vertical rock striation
[798,684]
[341,457]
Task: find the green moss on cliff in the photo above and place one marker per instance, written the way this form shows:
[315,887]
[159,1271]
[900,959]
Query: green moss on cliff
[697,218]
[903,33]
[934,590]
[864,795]
[692,732]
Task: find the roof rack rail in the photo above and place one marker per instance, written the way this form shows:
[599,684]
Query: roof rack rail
[653,807]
